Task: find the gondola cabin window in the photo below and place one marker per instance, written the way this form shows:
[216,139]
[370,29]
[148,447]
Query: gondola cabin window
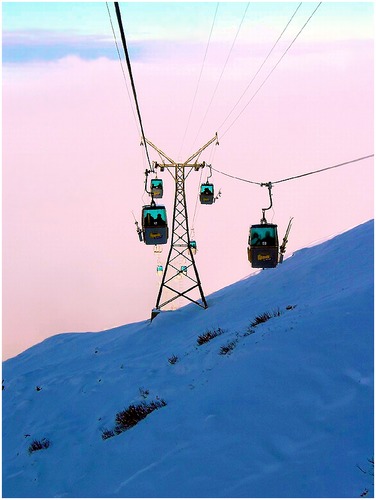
[263,235]
[154,224]
[207,194]
[156,188]
[263,245]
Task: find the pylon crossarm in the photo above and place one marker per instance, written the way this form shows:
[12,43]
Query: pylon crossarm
[160,152]
[215,138]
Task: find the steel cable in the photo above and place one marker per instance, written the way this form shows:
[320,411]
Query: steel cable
[258,71]
[223,70]
[269,74]
[295,176]
[199,78]
[118,15]
[122,67]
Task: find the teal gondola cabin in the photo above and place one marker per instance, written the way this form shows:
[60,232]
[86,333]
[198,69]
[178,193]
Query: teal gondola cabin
[154,224]
[207,194]
[263,245]
[156,188]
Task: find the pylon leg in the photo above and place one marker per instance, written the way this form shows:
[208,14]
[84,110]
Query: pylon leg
[180,247]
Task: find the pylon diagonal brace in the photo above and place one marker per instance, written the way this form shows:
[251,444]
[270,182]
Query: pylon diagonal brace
[181,295]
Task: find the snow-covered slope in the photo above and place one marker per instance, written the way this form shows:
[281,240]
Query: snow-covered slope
[287,412]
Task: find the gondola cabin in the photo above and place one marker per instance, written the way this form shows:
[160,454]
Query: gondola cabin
[263,245]
[193,246]
[159,270]
[184,270]
[154,224]
[207,194]
[156,188]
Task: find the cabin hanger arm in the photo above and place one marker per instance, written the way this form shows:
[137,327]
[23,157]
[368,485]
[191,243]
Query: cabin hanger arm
[269,185]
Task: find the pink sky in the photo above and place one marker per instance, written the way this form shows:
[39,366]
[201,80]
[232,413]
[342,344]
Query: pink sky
[73,172]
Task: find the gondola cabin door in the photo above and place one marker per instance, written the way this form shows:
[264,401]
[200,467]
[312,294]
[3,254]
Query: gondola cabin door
[207,194]
[156,188]
[154,224]
[263,245]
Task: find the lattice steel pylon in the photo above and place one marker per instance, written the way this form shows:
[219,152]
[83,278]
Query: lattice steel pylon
[180,262]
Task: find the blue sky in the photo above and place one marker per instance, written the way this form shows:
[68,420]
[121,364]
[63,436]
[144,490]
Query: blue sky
[52,30]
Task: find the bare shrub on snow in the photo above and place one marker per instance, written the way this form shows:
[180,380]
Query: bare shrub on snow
[39,445]
[209,335]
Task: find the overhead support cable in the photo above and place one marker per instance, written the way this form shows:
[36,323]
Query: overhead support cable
[118,15]
[262,65]
[223,70]
[122,67]
[323,169]
[270,73]
[199,78]
[295,176]
[235,177]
